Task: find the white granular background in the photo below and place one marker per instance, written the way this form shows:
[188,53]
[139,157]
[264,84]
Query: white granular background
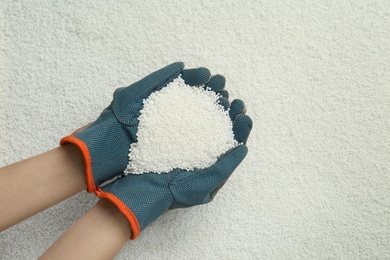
[180,127]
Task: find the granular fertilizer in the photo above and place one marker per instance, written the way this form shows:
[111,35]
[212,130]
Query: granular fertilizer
[180,126]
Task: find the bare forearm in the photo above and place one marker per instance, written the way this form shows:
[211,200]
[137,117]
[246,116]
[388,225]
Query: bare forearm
[34,184]
[99,234]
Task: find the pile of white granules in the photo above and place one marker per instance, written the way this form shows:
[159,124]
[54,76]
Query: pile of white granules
[180,127]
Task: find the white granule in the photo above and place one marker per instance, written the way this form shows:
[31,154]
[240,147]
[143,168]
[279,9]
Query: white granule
[180,127]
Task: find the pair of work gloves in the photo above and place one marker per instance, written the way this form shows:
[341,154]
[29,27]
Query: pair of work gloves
[142,198]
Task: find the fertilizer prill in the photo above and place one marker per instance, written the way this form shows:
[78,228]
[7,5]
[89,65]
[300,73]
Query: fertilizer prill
[180,126]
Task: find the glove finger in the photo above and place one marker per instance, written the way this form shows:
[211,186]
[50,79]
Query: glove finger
[224,93]
[237,107]
[195,77]
[224,102]
[155,80]
[216,83]
[242,127]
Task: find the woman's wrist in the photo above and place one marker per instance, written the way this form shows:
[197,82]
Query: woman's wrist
[32,185]
[99,234]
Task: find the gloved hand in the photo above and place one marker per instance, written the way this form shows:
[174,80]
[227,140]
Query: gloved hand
[142,198]
[105,143]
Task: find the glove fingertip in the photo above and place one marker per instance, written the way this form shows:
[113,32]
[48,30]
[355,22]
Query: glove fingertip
[224,93]
[237,107]
[195,77]
[242,127]
[224,102]
[216,83]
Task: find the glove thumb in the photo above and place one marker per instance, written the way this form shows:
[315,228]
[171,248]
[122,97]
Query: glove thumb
[199,187]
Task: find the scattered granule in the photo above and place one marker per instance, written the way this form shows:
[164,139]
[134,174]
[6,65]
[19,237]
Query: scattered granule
[180,127]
